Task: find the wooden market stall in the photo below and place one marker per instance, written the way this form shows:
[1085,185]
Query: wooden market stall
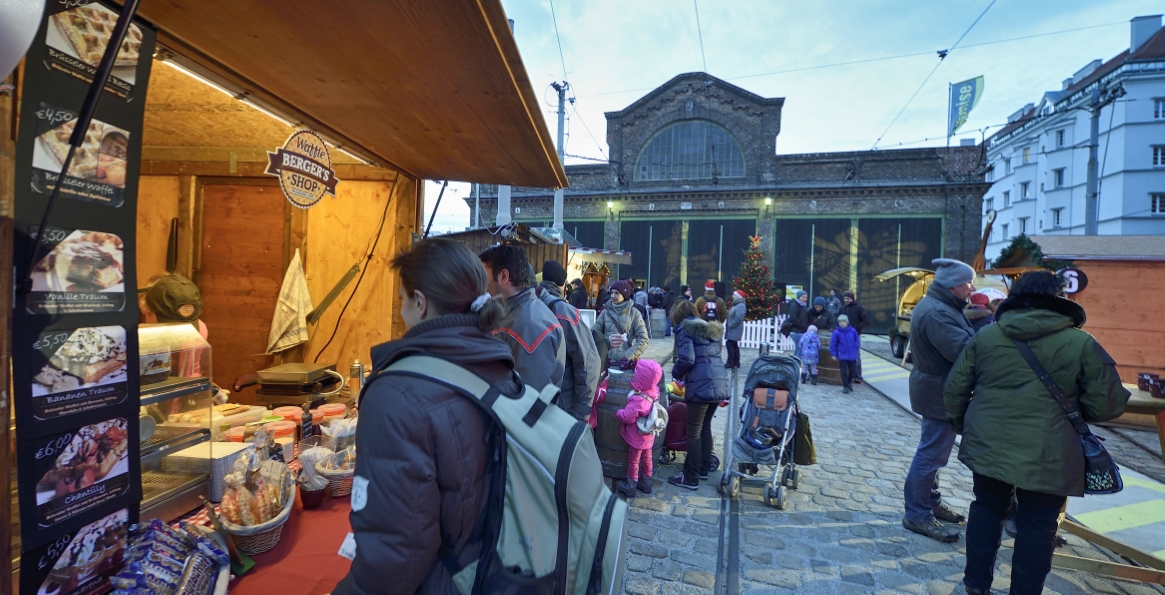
[400,91]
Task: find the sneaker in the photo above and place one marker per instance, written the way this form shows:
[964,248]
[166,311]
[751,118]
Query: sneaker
[974,591]
[814,377]
[703,477]
[943,513]
[626,488]
[678,480]
[932,529]
[846,390]
[857,380]
[1009,526]
[644,484]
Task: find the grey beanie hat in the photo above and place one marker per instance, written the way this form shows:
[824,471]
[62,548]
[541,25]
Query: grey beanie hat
[801,293]
[950,273]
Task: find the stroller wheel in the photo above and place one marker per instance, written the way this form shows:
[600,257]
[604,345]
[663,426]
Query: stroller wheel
[734,487]
[768,494]
[782,498]
[784,476]
[795,479]
[715,463]
[666,457]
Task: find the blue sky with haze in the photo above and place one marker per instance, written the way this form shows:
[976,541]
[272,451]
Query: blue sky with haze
[616,51]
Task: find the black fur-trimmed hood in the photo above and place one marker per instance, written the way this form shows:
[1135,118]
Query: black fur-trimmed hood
[976,313]
[1058,305]
[707,330]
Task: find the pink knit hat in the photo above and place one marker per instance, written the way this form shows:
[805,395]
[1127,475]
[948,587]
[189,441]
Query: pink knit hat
[647,376]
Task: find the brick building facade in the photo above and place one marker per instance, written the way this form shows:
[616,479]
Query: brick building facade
[693,172]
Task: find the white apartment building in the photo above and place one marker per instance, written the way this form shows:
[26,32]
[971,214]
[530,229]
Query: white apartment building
[1039,161]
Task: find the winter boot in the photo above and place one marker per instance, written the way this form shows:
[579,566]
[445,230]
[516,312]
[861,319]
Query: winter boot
[626,488]
[644,484]
[814,377]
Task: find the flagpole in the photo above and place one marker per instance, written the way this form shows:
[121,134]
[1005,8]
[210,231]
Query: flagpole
[949,87]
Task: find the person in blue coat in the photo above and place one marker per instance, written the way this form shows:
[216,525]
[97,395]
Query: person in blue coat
[844,346]
[699,365]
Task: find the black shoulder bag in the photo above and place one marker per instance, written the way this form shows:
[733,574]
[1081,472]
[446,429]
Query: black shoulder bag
[1101,475]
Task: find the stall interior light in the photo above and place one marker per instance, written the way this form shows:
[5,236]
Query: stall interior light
[199,78]
[350,154]
[768,200]
[268,112]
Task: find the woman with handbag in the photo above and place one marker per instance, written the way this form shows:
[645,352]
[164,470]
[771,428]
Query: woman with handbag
[698,363]
[1019,394]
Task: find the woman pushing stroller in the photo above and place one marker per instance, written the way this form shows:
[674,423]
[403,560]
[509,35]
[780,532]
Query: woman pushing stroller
[706,385]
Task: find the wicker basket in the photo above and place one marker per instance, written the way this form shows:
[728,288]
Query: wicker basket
[262,537]
[339,482]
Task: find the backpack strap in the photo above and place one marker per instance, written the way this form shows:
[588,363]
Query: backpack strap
[1070,410]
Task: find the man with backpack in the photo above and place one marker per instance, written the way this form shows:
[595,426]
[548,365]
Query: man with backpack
[710,306]
[581,377]
[535,337]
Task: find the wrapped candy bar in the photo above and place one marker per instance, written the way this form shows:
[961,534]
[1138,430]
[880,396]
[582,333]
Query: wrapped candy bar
[198,578]
[205,544]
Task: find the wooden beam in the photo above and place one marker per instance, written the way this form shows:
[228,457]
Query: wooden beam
[187,243]
[7,211]
[1106,568]
[1116,547]
[246,169]
[241,154]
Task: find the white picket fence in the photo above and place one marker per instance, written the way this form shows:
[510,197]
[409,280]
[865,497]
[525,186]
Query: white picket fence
[765,332]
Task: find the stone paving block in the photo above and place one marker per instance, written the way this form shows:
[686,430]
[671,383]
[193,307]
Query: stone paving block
[941,588]
[682,589]
[706,546]
[650,504]
[699,578]
[772,576]
[667,570]
[638,563]
[641,586]
[641,530]
[647,548]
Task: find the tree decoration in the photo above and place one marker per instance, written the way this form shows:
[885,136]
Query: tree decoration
[756,282]
[1023,251]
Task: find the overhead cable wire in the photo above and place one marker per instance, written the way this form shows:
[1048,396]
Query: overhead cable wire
[559,38]
[582,121]
[942,56]
[883,58]
[700,32]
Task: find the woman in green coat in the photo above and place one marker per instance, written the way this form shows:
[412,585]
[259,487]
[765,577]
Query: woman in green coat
[1015,435]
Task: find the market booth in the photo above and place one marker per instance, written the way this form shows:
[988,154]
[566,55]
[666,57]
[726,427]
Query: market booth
[258,140]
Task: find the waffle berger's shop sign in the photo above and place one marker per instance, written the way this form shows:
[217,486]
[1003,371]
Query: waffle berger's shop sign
[304,169]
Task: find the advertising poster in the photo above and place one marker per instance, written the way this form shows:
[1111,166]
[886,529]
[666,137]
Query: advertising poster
[79,562]
[75,347]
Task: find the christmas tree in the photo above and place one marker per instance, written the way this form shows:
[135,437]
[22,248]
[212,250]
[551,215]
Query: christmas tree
[756,282]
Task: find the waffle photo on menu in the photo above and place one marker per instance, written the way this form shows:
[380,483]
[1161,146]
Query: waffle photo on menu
[91,356]
[96,550]
[82,32]
[93,455]
[83,262]
[101,157]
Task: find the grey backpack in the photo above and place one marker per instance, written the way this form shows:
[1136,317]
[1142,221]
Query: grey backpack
[558,529]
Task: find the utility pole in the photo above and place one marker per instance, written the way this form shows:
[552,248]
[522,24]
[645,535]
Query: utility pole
[1100,98]
[476,207]
[561,88]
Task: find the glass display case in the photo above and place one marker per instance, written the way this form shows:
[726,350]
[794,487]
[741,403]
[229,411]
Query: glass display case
[177,412]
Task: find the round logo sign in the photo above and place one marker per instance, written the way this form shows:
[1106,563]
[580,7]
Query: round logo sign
[1074,280]
[304,169]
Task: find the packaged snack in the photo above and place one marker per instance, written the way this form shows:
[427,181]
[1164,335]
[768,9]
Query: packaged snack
[205,544]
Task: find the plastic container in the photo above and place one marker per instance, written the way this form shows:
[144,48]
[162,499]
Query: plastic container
[317,419]
[288,413]
[235,434]
[282,428]
[332,411]
[288,444]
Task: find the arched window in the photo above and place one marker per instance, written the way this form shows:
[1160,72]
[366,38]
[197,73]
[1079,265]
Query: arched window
[690,150]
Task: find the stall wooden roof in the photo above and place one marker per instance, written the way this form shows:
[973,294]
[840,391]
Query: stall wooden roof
[435,88]
[1102,247]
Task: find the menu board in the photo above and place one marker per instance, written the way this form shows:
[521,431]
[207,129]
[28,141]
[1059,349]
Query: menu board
[75,346]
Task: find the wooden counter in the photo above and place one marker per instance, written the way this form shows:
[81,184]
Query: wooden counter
[1141,402]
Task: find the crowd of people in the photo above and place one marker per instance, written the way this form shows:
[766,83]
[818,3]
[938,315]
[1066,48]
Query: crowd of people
[426,479]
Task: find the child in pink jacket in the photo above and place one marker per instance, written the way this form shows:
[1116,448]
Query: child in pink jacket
[639,404]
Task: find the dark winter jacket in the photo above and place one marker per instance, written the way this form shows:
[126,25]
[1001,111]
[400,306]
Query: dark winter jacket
[423,456]
[858,319]
[938,334]
[581,376]
[1013,429]
[622,318]
[978,317]
[819,315]
[669,300]
[834,305]
[698,361]
[536,340]
[845,344]
[709,301]
[734,326]
[578,299]
[797,318]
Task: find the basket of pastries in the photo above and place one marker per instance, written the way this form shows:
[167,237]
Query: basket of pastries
[338,469]
[257,499]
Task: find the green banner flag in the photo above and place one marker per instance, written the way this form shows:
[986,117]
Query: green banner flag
[964,98]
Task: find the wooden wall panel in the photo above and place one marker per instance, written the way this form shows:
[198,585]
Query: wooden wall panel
[1118,301]
[157,206]
[240,275]
[340,229]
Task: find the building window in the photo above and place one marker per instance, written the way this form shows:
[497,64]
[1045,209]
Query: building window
[1007,166]
[1058,177]
[1027,154]
[1157,204]
[988,205]
[1159,109]
[990,175]
[1057,217]
[690,150]
[1023,189]
[1059,138]
[1007,199]
[1159,155]
[1022,225]
[1005,234]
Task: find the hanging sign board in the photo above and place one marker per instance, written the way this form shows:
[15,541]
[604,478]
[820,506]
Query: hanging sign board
[304,169]
[1074,280]
[75,357]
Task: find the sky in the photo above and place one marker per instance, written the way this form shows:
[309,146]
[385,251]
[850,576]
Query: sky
[615,52]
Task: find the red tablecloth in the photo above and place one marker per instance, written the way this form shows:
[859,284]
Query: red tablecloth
[306,561]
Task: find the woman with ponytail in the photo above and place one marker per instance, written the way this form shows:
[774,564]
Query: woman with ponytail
[419,488]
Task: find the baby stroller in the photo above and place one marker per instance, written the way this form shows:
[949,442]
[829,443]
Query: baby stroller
[767,425]
[675,437]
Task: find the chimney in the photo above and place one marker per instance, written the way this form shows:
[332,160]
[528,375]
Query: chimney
[1141,29]
[966,142]
[1087,70]
[1020,112]
[1067,83]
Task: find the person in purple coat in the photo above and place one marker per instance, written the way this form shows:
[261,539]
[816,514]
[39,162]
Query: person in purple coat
[639,404]
[844,346]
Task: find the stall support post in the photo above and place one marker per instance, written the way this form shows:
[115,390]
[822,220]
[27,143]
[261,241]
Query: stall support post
[7,169]
[504,205]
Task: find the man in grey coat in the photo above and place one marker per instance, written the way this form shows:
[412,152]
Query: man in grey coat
[938,334]
[583,365]
[530,329]
[734,328]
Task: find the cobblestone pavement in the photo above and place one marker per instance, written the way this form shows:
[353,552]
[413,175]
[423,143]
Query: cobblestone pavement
[842,531]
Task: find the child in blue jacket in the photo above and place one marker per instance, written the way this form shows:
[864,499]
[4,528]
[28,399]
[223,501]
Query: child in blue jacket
[810,354]
[843,346]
